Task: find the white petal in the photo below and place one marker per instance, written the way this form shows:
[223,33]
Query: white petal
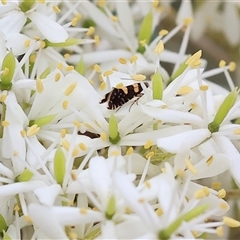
[173,143]
[51,30]
[184,11]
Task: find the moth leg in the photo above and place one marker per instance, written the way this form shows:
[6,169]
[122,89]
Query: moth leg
[136,101]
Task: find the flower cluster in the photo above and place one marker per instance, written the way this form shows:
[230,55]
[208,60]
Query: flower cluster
[98,139]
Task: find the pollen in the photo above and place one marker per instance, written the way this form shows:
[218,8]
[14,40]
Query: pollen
[190,167]
[220,231]
[63,133]
[77,124]
[194,58]
[33,130]
[222,193]
[74,21]
[97,68]
[222,64]
[69,68]
[237,131]
[138,77]
[163,32]
[122,60]
[5,123]
[66,55]
[209,161]
[70,89]
[216,185]
[150,154]
[103,136]
[203,87]
[206,191]
[107,73]
[23,133]
[119,86]
[27,43]
[75,152]
[232,66]
[159,212]
[133,59]
[82,146]
[230,222]
[83,210]
[184,90]
[60,66]
[57,77]
[180,173]
[114,18]
[56,9]
[65,144]
[103,85]
[39,85]
[129,151]
[199,194]
[97,39]
[148,144]
[90,31]
[5,71]
[65,104]
[223,206]
[100,78]
[159,48]
[91,81]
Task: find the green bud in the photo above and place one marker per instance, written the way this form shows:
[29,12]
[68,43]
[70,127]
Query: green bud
[25,176]
[8,66]
[42,121]
[3,224]
[26,5]
[166,233]
[81,68]
[145,31]
[223,110]
[68,42]
[114,136]
[45,73]
[179,71]
[59,165]
[111,208]
[157,86]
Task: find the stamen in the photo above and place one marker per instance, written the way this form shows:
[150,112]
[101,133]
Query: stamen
[159,212]
[66,144]
[66,55]
[27,43]
[90,31]
[63,133]
[60,66]
[163,32]
[97,39]
[119,86]
[237,131]
[224,206]
[184,90]
[149,155]
[203,87]
[190,167]
[39,85]
[103,136]
[222,64]
[65,104]
[148,144]
[216,185]
[103,85]
[222,193]
[97,68]
[159,48]
[230,222]
[5,123]
[77,124]
[114,18]
[129,151]
[133,59]
[33,130]
[57,77]
[82,146]
[122,60]
[74,21]
[70,89]
[69,68]
[220,231]
[75,152]
[232,66]
[138,77]
[107,73]
[56,9]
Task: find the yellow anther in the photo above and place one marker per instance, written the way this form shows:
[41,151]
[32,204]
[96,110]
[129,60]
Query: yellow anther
[82,146]
[180,173]
[16,208]
[28,219]
[188,21]
[133,59]
[4,2]
[15,153]
[60,66]
[115,153]
[103,85]
[148,144]
[5,71]
[32,58]
[75,152]
[90,31]
[119,85]
[74,21]
[107,73]
[220,231]
[122,60]
[83,210]
[209,161]
[199,194]
[57,77]
[43,44]
[143,42]
[66,55]
[114,18]
[159,212]
[39,85]
[3,97]
[155,3]
[163,32]
[150,154]
[184,90]
[222,64]
[230,222]
[41,1]
[222,193]
[78,16]
[103,136]
[232,66]
[190,167]
[56,9]
[65,104]
[203,87]
[147,184]
[163,170]
[196,56]
[70,89]
[77,124]
[236,131]
[129,151]
[193,105]
[69,68]
[87,125]
[27,43]
[5,123]
[23,133]
[33,130]
[66,144]
[216,185]
[97,39]
[138,77]
[206,191]
[159,48]
[100,78]
[128,210]
[37,38]
[97,68]
[224,206]
[63,133]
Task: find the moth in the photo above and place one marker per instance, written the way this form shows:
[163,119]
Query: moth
[119,96]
